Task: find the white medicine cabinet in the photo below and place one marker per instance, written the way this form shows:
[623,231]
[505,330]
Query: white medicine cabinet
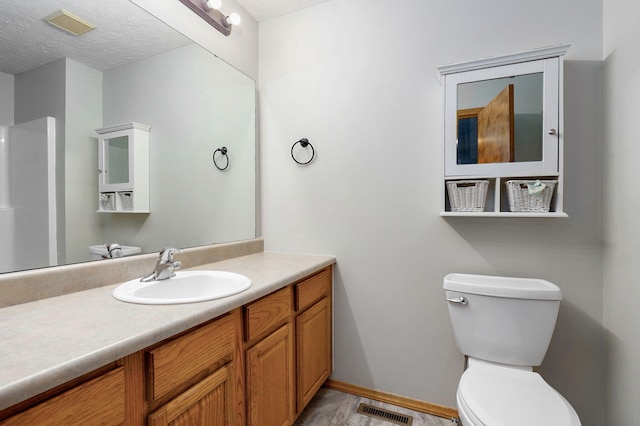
[504,136]
[123,168]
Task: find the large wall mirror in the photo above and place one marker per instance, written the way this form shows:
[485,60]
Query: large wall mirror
[57,88]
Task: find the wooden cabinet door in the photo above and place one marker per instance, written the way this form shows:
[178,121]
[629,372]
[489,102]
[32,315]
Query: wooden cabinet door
[208,403]
[270,379]
[313,350]
[98,401]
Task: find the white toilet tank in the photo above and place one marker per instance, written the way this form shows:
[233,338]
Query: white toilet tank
[502,319]
[99,252]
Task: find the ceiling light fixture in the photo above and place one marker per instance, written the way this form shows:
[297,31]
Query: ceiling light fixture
[209,11]
[233,19]
[213,4]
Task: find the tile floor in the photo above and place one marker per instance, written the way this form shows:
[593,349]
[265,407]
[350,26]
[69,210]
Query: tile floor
[334,408]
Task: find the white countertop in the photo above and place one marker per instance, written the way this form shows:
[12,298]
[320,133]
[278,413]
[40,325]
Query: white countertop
[48,342]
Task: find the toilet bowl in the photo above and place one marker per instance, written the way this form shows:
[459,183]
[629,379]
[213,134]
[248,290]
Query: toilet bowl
[504,326]
[498,395]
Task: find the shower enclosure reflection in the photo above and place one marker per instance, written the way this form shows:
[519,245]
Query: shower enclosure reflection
[27,195]
[7,213]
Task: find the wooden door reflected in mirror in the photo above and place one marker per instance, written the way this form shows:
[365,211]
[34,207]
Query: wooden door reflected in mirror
[500,120]
[486,135]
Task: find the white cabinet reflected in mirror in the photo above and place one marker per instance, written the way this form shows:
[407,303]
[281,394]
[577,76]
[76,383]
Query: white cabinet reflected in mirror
[123,168]
[502,123]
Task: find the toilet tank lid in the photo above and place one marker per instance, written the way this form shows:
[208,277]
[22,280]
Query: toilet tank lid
[515,288]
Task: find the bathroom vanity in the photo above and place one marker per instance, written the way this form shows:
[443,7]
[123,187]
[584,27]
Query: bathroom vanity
[254,358]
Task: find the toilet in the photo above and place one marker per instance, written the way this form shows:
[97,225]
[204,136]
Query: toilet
[101,251]
[504,327]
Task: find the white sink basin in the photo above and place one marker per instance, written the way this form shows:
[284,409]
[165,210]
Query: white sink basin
[185,287]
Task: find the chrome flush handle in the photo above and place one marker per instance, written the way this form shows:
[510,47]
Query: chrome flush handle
[461,300]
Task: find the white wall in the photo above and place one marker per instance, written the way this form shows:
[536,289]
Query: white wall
[358,78]
[194,103]
[39,93]
[70,92]
[83,115]
[621,289]
[6,99]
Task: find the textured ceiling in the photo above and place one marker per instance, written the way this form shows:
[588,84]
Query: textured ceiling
[124,33]
[265,9]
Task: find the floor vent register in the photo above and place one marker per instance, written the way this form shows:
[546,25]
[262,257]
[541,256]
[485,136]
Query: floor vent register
[382,414]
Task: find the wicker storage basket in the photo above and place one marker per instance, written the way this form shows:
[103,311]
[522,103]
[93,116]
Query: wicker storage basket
[520,200]
[467,195]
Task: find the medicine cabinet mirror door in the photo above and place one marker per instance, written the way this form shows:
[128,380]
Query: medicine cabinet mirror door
[503,120]
[115,162]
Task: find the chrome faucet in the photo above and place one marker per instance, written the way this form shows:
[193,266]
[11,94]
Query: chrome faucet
[165,266]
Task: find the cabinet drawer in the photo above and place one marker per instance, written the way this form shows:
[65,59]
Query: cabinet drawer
[182,361]
[267,313]
[209,402]
[313,289]
[98,401]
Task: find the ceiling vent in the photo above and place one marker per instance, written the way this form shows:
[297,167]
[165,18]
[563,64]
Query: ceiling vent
[69,22]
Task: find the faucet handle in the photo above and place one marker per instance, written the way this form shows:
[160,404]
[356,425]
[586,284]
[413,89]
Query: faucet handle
[166,255]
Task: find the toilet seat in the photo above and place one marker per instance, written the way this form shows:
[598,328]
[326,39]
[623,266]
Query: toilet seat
[498,395]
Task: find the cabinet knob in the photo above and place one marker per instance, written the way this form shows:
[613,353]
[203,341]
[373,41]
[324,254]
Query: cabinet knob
[553,132]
